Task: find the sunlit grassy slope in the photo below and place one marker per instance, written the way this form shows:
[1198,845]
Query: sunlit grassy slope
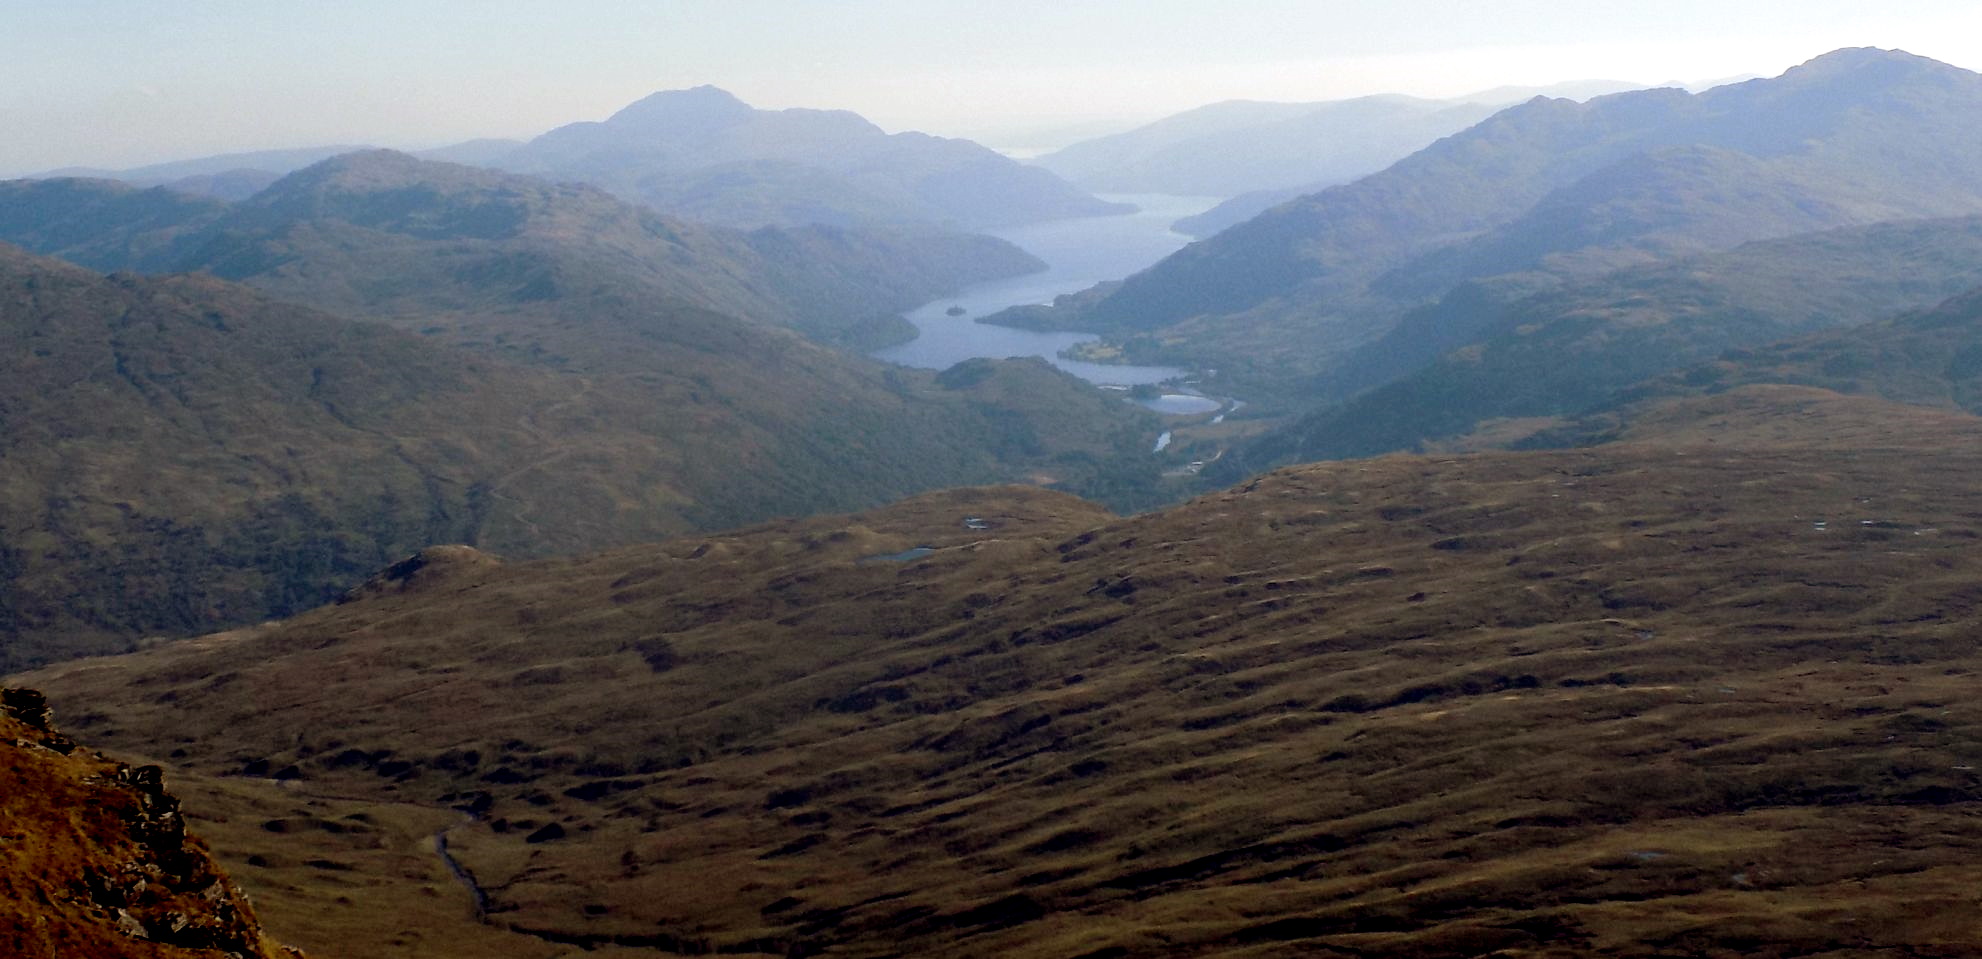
[1705,691]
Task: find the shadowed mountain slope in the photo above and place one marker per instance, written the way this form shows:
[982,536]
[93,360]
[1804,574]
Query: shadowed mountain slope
[184,453]
[704,154]
[1930,358]
[104,225]
[1244,206]
[1564,189]
[1702,693]
[97,863]
[1573,348]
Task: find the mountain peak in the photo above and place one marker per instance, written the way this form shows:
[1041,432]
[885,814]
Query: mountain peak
[1859,56]
[401,193]
[1868,79]
[703,107]
[360,160]
[360,171]
[1856,61]
[367,171]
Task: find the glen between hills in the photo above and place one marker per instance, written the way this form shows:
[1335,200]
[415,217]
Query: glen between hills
[1704,691]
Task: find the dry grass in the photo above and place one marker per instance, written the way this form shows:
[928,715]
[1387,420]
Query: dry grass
[95,862]
[1623,701]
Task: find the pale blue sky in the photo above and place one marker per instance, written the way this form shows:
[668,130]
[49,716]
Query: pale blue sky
[123,82]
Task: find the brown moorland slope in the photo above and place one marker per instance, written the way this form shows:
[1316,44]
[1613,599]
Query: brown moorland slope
[95,862]
[1707,692]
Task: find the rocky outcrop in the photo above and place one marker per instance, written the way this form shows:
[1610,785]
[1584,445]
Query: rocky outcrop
[432,565]
[95,860]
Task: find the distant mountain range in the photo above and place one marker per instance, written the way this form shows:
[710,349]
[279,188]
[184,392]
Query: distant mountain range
[1261,154]
[706,155]
[1242,146]
[344,234]
[238,176]
[1552,189]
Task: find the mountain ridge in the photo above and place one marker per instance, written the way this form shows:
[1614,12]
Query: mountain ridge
[1285,145]
[704,152]
[1871,133]
[1478,358]
[363,214]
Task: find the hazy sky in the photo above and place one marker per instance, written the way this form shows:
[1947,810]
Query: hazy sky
[124,82]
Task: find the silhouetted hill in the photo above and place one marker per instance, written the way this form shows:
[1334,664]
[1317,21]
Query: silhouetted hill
[1240,146]
[1562,352]
[1853,137]
[183,453]
[265,162]
[237,176]
[705,154]
[1704,693]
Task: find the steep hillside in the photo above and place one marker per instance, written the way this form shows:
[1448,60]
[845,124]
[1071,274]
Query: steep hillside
[1853,137]
[183,453]
[705,154]
[1251,203]
[1929,358]
[1240,146]
[1567,350]
[1704,693]
[96,862]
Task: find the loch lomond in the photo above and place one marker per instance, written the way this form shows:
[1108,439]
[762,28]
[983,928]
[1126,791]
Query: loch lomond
[1079,253]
